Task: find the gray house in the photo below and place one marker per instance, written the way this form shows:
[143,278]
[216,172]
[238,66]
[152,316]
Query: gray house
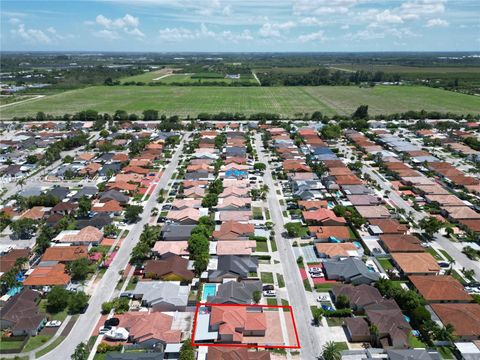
[232,266]
[162,295]
[174,232]
[350,270]
[234,292]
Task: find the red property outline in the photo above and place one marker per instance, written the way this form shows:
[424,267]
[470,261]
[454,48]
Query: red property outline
[285,307]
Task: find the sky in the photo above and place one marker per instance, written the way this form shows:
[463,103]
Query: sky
[240,25]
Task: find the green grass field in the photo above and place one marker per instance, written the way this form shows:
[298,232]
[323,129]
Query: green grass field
[286,101]
[147,76]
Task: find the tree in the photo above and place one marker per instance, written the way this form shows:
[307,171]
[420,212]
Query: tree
[330,351]
[77,302]
[260,166]
[342,302]
[201,262]
[79,268]
[430,225]
[361,112]
[187,351]
[210,200]
[445,333]
[21,182]
[331,131]
[132,213]
[23,228]
[84,206]
[110,230]
[150,115]
[81,352]
[57,299]
[46,235]
[104,133]
[295,229]
[257,295]
[317,314]
[374,333]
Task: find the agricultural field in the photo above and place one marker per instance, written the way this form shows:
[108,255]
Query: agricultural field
[148,76]
[286,101]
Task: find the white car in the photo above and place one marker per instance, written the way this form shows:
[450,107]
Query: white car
[53,323]
[323,298]
[316,275]
[104,330]
[314,270]
[118,333]
[269,293]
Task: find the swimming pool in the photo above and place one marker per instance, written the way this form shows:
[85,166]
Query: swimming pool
[357,244]
[209,290]
[14,290]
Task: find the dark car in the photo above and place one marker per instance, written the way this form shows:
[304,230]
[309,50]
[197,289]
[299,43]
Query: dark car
[443,264]
[268,287]
[111,322]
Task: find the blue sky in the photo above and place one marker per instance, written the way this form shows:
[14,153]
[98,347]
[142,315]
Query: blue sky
[241,25]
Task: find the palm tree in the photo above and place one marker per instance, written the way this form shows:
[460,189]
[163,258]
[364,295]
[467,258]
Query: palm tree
[330,351]
[374,334]
[21,182]
[445,333]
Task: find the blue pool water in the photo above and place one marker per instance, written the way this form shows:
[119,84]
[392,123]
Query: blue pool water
[331,204]
[209,290]
[407,319]
[14,290]
[357,244]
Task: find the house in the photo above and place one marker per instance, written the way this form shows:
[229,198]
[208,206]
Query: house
[47,273]
[114,195]
[21,314]
[310,205]
[87,191]
[176,232]
[440,289]
[233,267]
[235,292]
[110,169]
[401,243]
[185,217]
[228,353]
[234,323]
[172,267]
[35,213]
[234,230]
[409,354]
[350,270]
[336,250]
[234,191]
[195,192]
[465,319]
[8,260]
[98,220]
[59,192]
[65,254]
[357,329]
[358,296]
[323,217]
[112,207]
[373,212]
[148,330]
[87,236]
[242,247]
[173,247]
[159,354]
[64,208]
[389,226]
[324,233]
[234,203]
[393,329]
[162,295]
[363,200]
[416,263]
[181,204]
[234,215]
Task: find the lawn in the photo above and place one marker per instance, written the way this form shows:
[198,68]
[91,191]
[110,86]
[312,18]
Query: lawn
[280,280]
[415,342]
[261,246]
[434,253]
[386,263]
[50,347]
[446,352]
[341,345]
[323,287]
[9,345]
[306,285]
[35,342]
[273,244]
[446,254]
[271,301]
[257,213]
[335,321]
[286,101]
[267,277]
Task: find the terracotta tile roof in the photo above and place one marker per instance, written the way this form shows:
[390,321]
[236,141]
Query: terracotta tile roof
[376,212]
[389,226]
[129,178]
[473,225]
[465,318]
[461,213]
[313,204]
[172,265]
[35,213]
[140,162]
[181,204]
[194,192]
[235,160]
[65,253]
[135,169]
[86,156]
[340,171]
[233,320]
[416,263]
[348,180]
[336,249]
[122,185]
[295,166]
[246,247]
[233,201]
[232,230]
[108,206]
[192,183]
[8,260]
[90,169]
[86,235]
[48,275]
[324,232]
[64,206]
[235,215]
[234,191]
[120,157]
[221,353]
[182,215]
[440,288]
[401,243]
[193,168]
[145,326]
[322,215]
[174,247]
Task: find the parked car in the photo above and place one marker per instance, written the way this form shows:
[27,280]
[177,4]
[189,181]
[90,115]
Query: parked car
[138,271]
[316,275]
[269,293]
[443,264]
[315,270]
[112,322]
[126,295]
[166,207]
[53,323]
[104,330]
[268,287]
[322,298]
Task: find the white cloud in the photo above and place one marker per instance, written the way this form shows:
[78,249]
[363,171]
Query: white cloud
[436,23]
[227,11]
[275,30]
[318,36]
[183,34]
[320,7]
[176,34]
[311,21]
[112,28]
[14,21]
[32,35]
[345,27]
